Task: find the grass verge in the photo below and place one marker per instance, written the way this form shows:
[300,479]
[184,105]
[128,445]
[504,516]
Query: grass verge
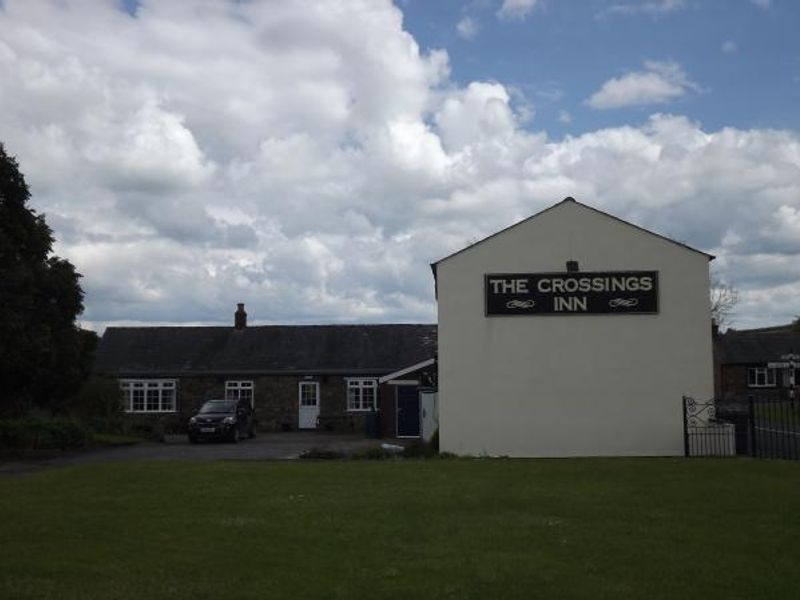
[590,528]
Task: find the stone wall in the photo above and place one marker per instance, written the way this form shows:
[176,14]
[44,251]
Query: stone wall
[276,399]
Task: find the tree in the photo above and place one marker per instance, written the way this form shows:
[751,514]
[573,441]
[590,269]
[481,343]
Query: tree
[724,298]
[44,356]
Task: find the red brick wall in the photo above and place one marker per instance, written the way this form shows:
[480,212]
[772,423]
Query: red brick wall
[733,384]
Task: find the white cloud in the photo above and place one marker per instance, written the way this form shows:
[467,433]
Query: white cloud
[467,28]
[564,116]
[151,149]
[659,83]
[728,46]
[516,9]
[311,161]
[763,4]
[550,92]
[476,115]
[652,8]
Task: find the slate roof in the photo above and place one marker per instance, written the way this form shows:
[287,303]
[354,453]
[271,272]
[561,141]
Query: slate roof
[757,345]
[271,349]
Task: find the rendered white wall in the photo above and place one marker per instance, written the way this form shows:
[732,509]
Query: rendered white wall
[575,385]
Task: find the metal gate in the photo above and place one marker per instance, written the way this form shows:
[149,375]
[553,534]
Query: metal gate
[703,433]
[758,427]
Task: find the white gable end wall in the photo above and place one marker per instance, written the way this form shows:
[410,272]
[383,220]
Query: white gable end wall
[572,385]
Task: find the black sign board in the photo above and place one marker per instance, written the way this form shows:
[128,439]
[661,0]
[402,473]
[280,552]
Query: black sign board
[573,293]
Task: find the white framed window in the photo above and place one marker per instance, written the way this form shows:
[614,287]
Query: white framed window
[239,390]
[148,395]
[362,394]
[309,393]
[760,377]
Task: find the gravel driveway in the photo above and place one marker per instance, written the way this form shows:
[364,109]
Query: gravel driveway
[266,446]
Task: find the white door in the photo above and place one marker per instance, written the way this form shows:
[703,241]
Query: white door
[430,414]
[308,405]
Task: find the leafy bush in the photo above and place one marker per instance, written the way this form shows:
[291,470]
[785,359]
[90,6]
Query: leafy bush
[99,403]
[374,453]
[147,429]
[322,454]
[421,449]
[36,433]
[418,449]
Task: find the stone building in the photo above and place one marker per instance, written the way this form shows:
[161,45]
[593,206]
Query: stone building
[296,376]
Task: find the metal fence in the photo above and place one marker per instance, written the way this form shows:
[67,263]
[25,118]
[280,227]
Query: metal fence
[759,427]
[775,428]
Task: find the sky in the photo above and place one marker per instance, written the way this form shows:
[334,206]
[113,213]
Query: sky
[312,158]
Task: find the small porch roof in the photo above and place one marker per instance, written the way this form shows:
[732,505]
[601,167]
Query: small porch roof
[407,370]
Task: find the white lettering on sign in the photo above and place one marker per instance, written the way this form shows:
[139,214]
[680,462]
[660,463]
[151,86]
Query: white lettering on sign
[620,292]
[570,304]
[509,286]
[571,285]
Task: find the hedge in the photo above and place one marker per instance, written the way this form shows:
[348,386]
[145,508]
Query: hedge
[35,433]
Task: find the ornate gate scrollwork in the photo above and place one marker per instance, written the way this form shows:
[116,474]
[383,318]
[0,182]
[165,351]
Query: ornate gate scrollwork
[698,414]
[704,434]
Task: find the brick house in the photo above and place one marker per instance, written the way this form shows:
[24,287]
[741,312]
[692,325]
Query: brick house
[756,363]
[296,376]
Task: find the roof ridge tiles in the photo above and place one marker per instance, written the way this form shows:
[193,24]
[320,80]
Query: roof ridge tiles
[273,325]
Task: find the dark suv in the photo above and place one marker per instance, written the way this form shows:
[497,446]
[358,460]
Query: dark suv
[223,419]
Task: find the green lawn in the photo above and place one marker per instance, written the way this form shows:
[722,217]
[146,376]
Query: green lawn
[606,528]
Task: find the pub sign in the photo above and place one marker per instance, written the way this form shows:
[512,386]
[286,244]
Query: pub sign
[572,293]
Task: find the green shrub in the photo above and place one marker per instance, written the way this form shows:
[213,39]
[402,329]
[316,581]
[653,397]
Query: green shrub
[149,429]
[422,449]
[322,454]
[374,453]
[102,425]
[37,433]
[98,403]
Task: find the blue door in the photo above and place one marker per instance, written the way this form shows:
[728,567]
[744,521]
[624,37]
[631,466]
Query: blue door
[408,411]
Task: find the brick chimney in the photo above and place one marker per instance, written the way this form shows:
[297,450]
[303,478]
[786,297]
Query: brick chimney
[240,317]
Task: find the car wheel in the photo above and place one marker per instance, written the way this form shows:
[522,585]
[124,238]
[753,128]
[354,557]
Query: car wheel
[252,433]
[235,435]
[192,439]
